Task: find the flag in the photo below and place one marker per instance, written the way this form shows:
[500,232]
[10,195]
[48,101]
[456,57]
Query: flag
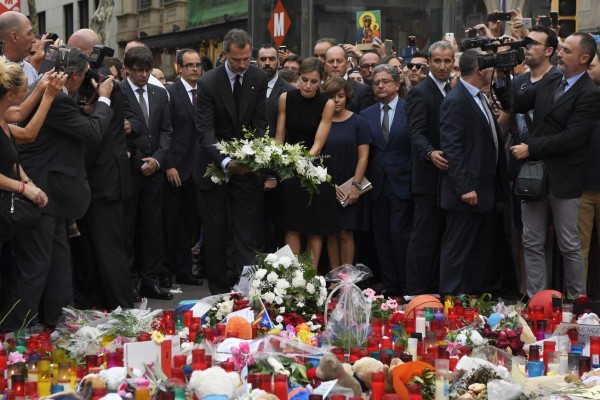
[263,320]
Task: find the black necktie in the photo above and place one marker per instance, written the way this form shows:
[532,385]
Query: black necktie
[490,118]
[447,88]
[193,92]
[143,105]
[560,90]
[237,91]
[385,124]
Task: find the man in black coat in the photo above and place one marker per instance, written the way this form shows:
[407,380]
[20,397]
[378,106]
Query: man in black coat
[423,113]
[475,180]
[180,213]
[55,162]
[565,113]
[230,98]
[149,103]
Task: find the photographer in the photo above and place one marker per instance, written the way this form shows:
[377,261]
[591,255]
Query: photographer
[55,162]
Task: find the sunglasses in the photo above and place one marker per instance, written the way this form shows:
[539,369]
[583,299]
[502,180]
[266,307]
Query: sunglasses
[415,65]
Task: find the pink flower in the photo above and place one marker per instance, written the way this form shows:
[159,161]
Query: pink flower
[245,347]
[370,293]
[385,307]
[15,357]
[393,304]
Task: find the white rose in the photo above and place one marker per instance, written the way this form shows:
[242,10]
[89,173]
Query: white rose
[282,310]
[279,319]
[298,282]
[269,297]
[282,284]
[310,288]
[215,179]
[321,173]
[256,283]
[300,304]
[247,149]
[271,258]
[225,307]
[476,338]
[260,273]
[278,300]
[272,277]
[285,261]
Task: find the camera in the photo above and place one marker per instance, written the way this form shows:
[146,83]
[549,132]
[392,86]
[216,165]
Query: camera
[95,60]
[55,57]
[499,16]
[52,36]
[504,60]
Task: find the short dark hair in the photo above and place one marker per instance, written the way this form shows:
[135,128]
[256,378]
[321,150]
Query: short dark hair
[293,57]
[181,52]
[311,64]
[418,54]
[78,61]
[386,59]
[468,62]
[207,64]
[141,56]
[551,38]
[333,85]
[267,46]
[587,44]
[114,62]
[289,75]
[238,37]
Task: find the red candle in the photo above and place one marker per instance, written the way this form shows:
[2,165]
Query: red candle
[169,327]
[377,386]
[281,386]
[228,366]
[168,315]
[264,383]
[208,334]
[179,360]
[386,343]
[354,354]
[198,362]
[339,353]
[187,318]
[595,351]
[414,391]
[409,325]
[372,344]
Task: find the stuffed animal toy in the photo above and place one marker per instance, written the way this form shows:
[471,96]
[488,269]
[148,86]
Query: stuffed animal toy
[331,368]
[364,367]
[88,384]
[214,384]
[402,374]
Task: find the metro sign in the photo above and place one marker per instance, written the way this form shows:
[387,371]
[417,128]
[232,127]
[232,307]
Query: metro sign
[279,24]
[10,5]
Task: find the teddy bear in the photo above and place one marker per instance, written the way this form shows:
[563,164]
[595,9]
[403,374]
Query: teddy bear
[214,384]
[88,384]
[331,368]
[364,367]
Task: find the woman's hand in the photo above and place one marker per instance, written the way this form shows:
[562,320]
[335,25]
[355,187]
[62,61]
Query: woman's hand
[353,195]
[341,196]
[35,194]
[56,81]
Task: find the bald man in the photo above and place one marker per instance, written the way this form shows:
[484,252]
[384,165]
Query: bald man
[85,40]
[17,33]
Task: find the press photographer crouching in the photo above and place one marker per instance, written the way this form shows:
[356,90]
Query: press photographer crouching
[55,162]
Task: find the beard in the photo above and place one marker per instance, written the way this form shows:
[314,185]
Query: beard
[270,71]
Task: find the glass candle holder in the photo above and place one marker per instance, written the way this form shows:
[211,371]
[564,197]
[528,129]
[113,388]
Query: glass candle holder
[535,368]
[44,377]
[567,312]
[552,366]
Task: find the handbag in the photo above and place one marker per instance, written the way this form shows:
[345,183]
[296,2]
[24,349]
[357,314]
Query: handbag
[17,213]
[531,183]
[365,186]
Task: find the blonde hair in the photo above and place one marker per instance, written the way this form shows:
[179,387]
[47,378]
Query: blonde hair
[12,77]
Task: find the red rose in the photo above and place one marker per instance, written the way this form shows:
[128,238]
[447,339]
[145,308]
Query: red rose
[319,320]
[292,319]
[582,299]
[396,318]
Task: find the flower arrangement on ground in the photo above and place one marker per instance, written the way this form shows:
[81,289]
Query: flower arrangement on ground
[228,303]
[380,306]
[263,153]
[290,288]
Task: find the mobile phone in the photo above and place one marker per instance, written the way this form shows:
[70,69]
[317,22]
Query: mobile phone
[554,18]
[50,57]
[472,32]
[526,22]
[52,36]
[449,36]
[388,45]
[545,20]
[283,48]
[412,41]
[499,16]
[597,38]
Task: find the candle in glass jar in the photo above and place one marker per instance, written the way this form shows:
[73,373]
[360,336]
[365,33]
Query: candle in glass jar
[281,386]
[420,321]
[567,313]
[44,376]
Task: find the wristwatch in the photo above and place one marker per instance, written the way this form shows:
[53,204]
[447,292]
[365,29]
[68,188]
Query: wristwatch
[428,155]
[357,185]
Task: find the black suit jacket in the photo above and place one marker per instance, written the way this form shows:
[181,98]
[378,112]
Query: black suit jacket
[217,118]
[107,165]
[561,130]
[423,113]
[362,97]
[152,140]
[183,141]
[55,161]
[281,86]
[391,158]
[467,142]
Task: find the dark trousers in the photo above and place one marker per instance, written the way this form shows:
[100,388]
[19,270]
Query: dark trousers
[100,263]
[467,256]
[392,221]
[231,208]
[144,231]
[42,279]
[180,217]
[423,258]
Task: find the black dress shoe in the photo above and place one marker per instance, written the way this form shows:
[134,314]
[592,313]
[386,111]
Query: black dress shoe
[165,281]
[155,292]
[189,280]
[136,295]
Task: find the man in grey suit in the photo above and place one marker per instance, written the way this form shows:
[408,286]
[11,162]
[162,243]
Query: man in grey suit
[149,119]
[231,97]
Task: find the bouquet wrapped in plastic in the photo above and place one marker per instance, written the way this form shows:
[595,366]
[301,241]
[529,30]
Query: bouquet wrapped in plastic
[347,311]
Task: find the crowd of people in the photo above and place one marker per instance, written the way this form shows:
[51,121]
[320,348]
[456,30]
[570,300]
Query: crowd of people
[123,172]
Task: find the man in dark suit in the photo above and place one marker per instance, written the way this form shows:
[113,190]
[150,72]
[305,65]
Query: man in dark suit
[389,172]
[475,180]
[100,255]
[55,162]
[230,98]
[423,113]
[336,65]
[153,138]
[565,113]
[180,212]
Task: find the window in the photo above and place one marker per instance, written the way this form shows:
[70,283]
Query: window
[68,18]
[41,22]
[84,13]
[144,4]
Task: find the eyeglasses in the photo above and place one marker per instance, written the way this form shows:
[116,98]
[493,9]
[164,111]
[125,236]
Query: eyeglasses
[141,70]
[368,66]
[384,81]
[415,65]
[193,66]
[529,43]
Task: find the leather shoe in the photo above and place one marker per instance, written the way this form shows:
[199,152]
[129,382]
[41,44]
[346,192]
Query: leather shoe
[165,281]
[155,292]
[136,295]
[189,280]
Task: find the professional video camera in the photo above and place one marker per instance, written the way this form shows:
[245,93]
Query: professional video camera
[95,60]
[504,60]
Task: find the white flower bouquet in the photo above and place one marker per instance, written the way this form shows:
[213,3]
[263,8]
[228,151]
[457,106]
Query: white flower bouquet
[263,153]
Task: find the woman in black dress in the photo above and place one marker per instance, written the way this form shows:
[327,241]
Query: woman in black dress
[348,148]
[305,116]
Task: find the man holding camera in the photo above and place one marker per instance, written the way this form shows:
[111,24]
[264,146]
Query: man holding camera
[476,177]
[55,162]
[565,113]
